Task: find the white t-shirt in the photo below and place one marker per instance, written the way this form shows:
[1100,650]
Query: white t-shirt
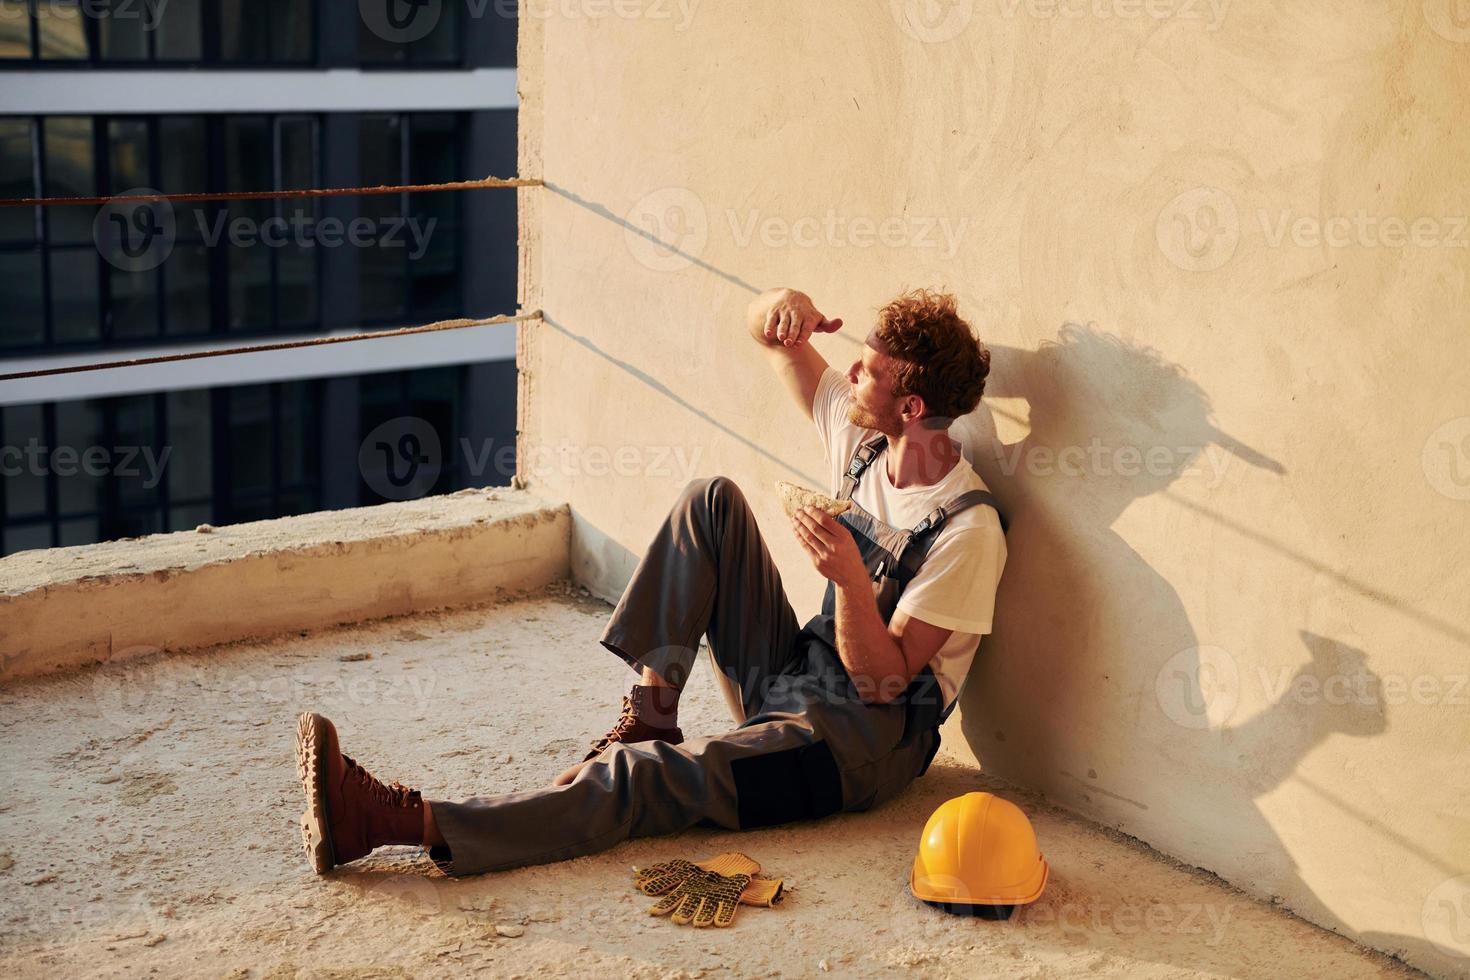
[955,586]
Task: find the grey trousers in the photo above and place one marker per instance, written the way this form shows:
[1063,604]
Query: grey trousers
[806,746]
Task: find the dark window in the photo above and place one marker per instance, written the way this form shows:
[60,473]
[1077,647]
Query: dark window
[61,30]
[433,395]
[267,31]
[15,30]
[273,272]
[97,469]
[17,179]
[179,35]
[190,469]
[400,32]
[63,278]
[273,448]
[242,267]
[256,33]
[122,33]
[413,271]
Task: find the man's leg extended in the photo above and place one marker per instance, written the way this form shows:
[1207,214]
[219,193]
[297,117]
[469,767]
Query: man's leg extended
[768,772]
[707,572]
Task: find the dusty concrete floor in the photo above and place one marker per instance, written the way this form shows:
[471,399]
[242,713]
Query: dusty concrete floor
[149,825]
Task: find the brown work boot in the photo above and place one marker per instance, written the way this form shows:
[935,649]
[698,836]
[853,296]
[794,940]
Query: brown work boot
[348,812]
[630,727]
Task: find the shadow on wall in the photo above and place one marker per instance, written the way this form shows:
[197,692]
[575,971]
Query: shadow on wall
[1111,422]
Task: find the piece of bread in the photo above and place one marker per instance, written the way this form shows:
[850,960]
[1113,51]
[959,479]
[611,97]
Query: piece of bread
[794,497]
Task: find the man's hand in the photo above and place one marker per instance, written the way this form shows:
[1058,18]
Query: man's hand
[829,545]
[787,317]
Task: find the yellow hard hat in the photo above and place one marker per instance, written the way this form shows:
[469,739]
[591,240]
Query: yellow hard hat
[978,856]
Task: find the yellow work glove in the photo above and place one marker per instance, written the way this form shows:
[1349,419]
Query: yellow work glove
[707,893]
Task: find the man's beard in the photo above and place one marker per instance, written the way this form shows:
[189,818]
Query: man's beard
[864,419]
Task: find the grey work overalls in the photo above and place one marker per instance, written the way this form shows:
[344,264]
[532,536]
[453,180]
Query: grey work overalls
[806,745]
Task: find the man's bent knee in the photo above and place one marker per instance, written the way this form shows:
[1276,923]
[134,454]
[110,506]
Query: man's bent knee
[712,491]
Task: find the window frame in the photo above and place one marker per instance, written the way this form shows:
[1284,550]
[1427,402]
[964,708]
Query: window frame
[217,255]
[222,505]
[209,46]
[412,312]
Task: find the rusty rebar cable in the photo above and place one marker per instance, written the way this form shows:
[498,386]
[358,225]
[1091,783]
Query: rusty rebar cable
[286,345]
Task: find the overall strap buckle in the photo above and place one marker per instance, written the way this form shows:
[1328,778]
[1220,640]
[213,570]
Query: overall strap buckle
[864,455]
[935,518]
[862,458]
[970,498]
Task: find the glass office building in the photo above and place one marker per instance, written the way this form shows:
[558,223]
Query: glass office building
[221,95]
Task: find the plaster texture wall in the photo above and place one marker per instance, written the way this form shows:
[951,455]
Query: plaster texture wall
[1220,254]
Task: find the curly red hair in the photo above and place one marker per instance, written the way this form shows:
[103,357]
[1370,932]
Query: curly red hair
[937,355]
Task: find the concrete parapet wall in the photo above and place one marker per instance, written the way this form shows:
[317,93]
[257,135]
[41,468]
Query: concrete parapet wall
[66,607]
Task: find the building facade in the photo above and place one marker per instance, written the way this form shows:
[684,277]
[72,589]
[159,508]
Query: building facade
[128,96]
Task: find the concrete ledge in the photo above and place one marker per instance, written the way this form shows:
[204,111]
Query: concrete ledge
[64,607]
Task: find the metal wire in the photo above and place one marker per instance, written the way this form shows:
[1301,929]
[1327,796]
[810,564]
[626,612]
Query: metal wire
[286,345]
[456,185]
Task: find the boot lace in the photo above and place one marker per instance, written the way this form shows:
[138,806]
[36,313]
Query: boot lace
[395,795]
[625,724]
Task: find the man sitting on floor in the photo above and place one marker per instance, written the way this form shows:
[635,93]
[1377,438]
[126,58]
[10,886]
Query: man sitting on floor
[840,714]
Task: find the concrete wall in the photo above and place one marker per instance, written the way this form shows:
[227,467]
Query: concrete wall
[62,608]
[1220,253]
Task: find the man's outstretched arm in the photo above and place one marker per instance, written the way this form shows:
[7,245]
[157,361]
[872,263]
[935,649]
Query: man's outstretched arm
[781,321]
